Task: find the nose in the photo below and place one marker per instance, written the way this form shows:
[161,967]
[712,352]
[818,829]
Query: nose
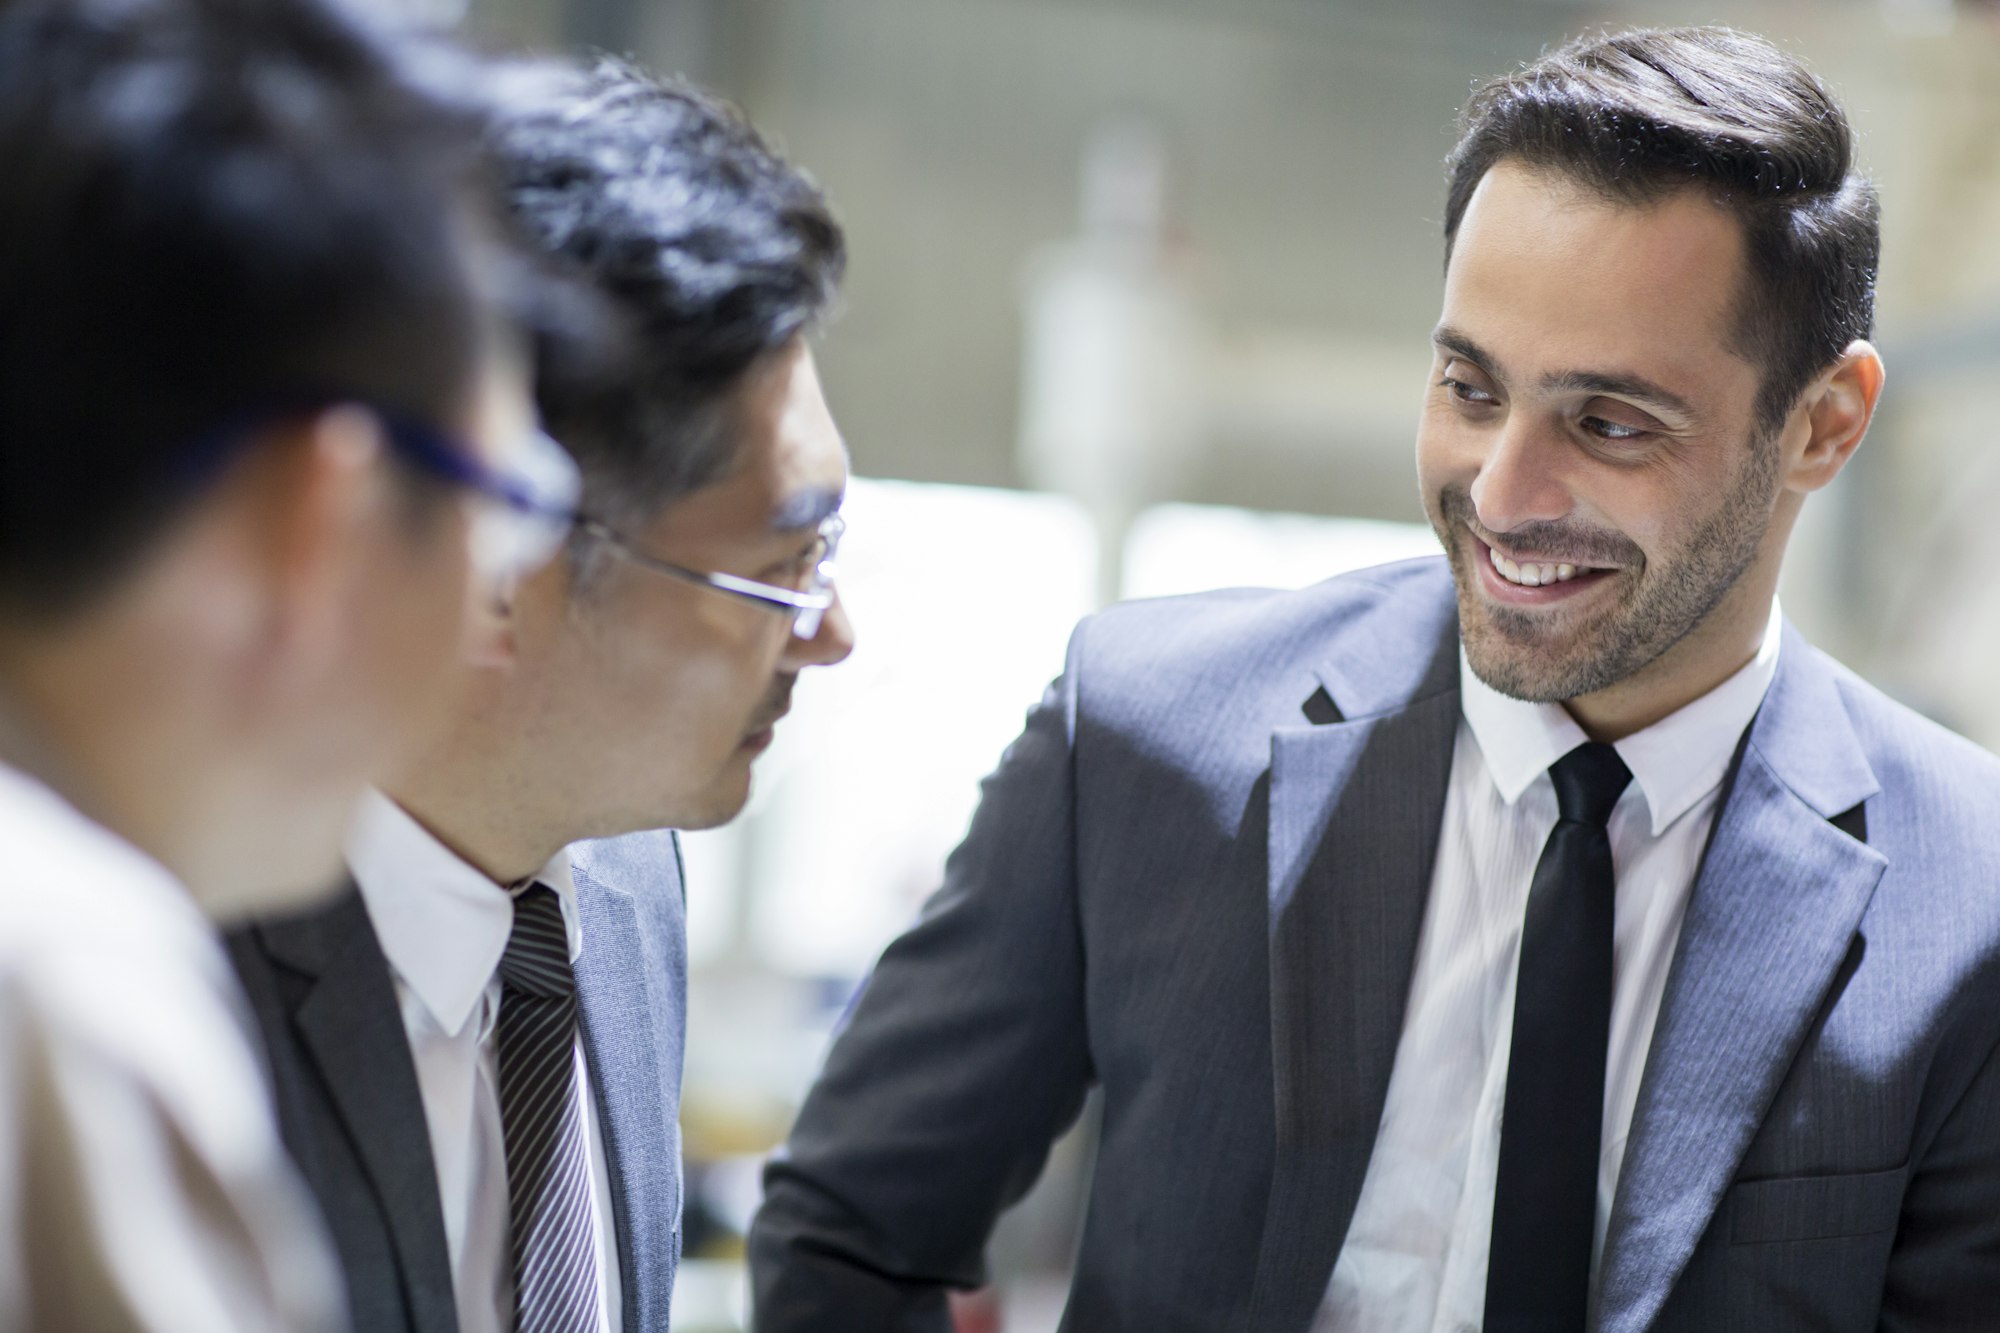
[832,644]
[1520,480]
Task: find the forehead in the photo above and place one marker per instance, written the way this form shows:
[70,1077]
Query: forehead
[789,466]
[1549,274]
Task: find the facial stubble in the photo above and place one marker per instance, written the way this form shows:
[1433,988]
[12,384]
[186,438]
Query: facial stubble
[1533,656]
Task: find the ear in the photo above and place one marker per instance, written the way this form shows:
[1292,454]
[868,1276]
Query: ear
[1837,409]
[325,500]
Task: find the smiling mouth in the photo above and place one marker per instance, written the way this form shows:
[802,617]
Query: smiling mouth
[1527,574]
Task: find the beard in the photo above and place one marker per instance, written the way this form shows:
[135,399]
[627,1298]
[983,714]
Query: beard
[1553,656]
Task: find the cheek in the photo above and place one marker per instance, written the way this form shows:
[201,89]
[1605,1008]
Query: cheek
[1432,472]
[433,584]
[1662,507]
[1449,450]
[699,676]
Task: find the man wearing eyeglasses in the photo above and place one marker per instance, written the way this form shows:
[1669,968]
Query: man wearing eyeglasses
[480,1049]
[256,384]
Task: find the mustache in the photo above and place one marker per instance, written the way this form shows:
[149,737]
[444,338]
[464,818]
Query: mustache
[1568,543]
[776,704]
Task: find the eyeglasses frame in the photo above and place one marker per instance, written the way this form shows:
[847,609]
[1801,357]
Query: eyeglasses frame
[808,608]
[439,454]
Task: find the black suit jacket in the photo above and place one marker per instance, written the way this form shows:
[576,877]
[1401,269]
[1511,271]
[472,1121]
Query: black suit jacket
[353,1118]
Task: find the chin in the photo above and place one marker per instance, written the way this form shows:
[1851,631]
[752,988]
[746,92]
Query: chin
[1553,667]
[717,805]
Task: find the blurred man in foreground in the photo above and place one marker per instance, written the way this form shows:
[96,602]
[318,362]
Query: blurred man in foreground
[252,376]
[1539,939]
[479,1047]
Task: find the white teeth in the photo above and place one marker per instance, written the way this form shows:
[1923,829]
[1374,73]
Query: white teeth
[1531,575]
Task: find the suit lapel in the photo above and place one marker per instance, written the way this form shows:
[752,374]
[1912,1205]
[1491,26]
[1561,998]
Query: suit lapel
[1356,807]
[351,1029]
[1773,915]
[628,989]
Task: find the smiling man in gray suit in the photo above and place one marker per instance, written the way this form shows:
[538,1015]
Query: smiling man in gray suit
[1544,938]
[478,1051]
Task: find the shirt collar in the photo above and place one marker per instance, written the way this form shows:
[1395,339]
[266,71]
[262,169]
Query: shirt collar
[443,924]
[1674,762]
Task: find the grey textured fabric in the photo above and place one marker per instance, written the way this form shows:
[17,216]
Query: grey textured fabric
[1196,881]
[541,1116]
[352,1116]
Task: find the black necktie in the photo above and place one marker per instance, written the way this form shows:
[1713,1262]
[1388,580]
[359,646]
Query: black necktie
[1545,1194]
[541,1120]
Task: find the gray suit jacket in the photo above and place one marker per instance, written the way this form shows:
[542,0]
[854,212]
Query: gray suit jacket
[1196,881]
[352,1116]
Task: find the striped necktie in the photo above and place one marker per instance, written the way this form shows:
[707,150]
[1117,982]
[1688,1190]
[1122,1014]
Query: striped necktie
[541,1118]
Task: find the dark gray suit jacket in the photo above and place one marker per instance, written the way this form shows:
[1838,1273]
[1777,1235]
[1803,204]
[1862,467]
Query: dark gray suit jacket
[1196,880]
[352,1116]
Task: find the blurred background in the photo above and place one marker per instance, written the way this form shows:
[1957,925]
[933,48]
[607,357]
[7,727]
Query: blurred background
[1139,303]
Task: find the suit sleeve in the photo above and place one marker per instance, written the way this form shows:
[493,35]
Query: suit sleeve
[963,1059]
[1944,1273]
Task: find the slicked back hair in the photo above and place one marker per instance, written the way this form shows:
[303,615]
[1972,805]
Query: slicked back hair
[713,250]
[1640,115]
[207,208]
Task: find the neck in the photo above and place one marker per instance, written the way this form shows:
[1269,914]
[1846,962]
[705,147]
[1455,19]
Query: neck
[151,739]
[478,808]
[101,744]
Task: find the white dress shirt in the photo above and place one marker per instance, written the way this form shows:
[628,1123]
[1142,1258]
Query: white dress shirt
[143,1184]
[1415,1255]
[443,927]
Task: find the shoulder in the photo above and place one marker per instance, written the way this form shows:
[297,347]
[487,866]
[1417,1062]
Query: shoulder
[1927,797]
[84,907]
[1224,636]
[643,866]
[72,886]
[1926,771]
[165,1085]
[146,1002]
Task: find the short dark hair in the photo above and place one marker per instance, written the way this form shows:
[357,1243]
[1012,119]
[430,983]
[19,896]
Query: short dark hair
[712,248]
[1642,114]
[208,208]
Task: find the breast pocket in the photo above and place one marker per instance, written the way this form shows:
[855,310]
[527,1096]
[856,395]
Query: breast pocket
[1794,1208]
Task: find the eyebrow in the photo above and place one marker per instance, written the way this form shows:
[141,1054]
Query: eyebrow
[1451,340]
[1619,384]
[807,509]
[1622,386]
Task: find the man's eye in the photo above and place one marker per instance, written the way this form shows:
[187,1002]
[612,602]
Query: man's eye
[1614,430]
[1470,394]
[795,570]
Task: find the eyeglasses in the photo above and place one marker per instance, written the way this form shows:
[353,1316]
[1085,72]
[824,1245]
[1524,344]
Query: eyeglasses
[807,606]
[529,499]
